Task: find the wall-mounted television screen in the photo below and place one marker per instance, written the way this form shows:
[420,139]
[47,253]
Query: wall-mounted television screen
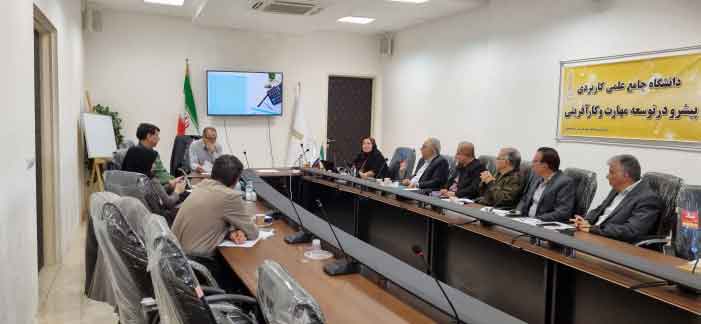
[234,93]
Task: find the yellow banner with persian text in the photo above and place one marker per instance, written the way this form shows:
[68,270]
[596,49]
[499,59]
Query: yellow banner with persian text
[652,99]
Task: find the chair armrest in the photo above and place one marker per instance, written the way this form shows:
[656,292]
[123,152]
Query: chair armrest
[653,241]
[231,298]
[208,291]
[204,272]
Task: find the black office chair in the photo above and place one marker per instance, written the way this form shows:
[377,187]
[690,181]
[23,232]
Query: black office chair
[489,162]
[282,300]
[451,164]
[179,295]
[97,283]
[688,236]
[666,186]
[139,186]
[402,154]
[585,188]
[180,158]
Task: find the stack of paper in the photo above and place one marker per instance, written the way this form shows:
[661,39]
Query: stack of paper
[262,235]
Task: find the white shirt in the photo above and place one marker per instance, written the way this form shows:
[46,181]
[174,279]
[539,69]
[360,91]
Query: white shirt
[420,172]
[537,195]
[614,203]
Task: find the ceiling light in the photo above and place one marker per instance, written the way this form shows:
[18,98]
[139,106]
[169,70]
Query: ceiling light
[410,1]
[356,20]
[166,2]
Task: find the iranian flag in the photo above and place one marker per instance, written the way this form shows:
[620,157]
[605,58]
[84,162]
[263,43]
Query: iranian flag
[189,117]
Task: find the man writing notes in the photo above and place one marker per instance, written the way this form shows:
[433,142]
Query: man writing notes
[550,196]
[465,181]
[203,152]
[631,209]
[432,169]
[502,190]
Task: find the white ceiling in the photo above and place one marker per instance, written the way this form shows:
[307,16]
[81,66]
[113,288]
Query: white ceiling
[390,16]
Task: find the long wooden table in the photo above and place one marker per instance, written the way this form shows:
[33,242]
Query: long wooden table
[535,283]
[344,299]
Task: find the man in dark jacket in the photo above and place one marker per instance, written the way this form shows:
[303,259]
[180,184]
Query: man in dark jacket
[465,181]
[432,170]
[631,209]
[504,189]
[550,196]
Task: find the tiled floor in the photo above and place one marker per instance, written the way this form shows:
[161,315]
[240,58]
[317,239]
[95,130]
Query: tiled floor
[62,300]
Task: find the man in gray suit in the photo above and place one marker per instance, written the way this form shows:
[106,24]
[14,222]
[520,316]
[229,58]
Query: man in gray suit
[631,209]
[550,196]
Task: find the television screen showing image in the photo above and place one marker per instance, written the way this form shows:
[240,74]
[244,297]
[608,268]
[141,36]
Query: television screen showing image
[232,93]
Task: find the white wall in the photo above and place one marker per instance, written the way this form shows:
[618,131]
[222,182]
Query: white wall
[491,75]
[136,66]
[18,275]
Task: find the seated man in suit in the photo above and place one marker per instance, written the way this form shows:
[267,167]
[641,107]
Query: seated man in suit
[432,169]
[465,181]
[504,189]
[631,209]
[204,151]
[550,196]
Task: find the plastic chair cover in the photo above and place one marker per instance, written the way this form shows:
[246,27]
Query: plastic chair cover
[137,185]
[125,255]
[97,284]
[282,300]
[667,188]
[585,188]
[688,236]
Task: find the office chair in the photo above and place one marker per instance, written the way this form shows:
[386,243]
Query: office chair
[97,284]
[451,164]
[585,188]
[402,153]
[139,186]
[489,162]
[180,158]
[282,300]
[666,186]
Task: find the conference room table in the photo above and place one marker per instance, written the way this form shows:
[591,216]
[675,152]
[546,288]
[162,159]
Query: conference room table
[537,283]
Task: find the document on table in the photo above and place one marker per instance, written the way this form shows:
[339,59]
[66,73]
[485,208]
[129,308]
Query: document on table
[267,171]
[262,235]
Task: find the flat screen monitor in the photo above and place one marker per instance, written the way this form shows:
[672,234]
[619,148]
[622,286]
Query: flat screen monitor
[235,93]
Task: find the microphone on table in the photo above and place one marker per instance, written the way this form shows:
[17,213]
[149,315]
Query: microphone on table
[420,253]
[248,165]
[340,266]
[301,236]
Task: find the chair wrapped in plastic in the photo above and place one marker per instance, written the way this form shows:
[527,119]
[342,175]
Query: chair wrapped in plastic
[119,154]
[688,231]
[489,162]
[666,186]
[137,185]
[180,298]
[282,300]
[125,255]
[402,154]
[97,283]
[585,188]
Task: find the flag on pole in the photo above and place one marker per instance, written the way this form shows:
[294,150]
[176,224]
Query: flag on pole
[189,117]
[300,134]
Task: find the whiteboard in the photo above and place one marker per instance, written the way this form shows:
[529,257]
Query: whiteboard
[99,135]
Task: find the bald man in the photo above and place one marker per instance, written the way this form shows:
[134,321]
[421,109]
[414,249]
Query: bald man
[465,180]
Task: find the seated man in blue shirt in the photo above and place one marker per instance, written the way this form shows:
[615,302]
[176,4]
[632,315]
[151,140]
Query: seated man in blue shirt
[203,152]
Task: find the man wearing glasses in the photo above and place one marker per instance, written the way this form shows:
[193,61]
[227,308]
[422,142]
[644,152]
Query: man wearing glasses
[203,152]
[550,196]
[432,169]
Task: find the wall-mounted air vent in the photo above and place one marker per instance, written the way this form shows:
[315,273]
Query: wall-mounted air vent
[296,7]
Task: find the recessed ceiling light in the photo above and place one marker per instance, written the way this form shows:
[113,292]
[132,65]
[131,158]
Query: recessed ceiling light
[356,20]
[166,2]
[410,1]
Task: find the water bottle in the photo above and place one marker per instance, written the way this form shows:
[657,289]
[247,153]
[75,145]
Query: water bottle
[249,192]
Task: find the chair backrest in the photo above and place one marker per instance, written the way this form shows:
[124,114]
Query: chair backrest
[119,154]
[585,188]
[403,153]
[667,188]
[125,255]
[133,184]
[451,164]
[688,232]
[180,158]
[93,287]
[177,290]
[282,300]
[489,162]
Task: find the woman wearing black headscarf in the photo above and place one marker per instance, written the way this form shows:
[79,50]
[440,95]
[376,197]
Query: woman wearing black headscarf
[140,159]
[370,162]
